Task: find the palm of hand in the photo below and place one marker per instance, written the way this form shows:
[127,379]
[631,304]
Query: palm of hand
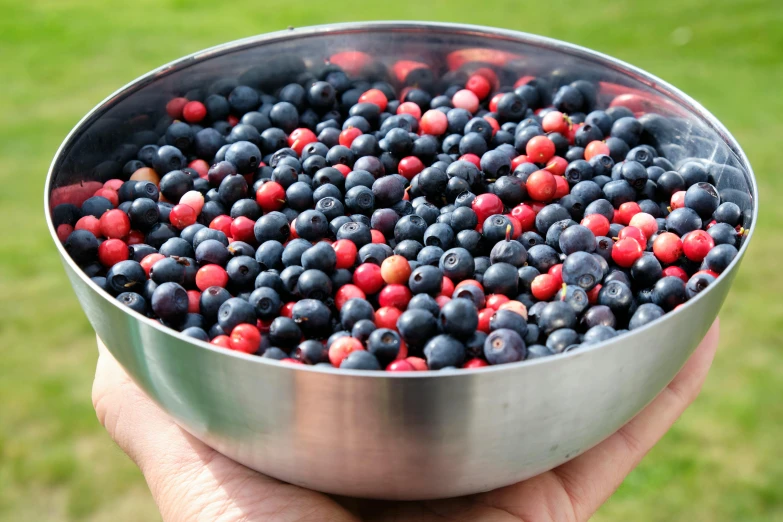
[192,482]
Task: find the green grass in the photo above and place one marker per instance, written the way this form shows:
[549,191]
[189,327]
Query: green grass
[58,58]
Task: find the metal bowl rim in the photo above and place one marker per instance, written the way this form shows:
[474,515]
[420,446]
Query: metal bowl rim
[650,80]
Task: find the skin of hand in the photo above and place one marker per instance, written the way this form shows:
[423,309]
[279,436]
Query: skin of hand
[192,482]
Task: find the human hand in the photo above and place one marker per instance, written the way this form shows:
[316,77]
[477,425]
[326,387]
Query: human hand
[192,482]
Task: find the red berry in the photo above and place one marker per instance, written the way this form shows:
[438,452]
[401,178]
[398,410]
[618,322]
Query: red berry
[63,231]
[287,309]
[135,237]
[112,251]
[194,301]
[525,216]
[419,364]
[519,160]
[149,260]
[677,200]
[221,340]
[644,222]
[222,223]
[676,271]
[493,103]
[479,86]
[174,107]
[595,148]
[346,293]
[194,112]
[109,194]
[626,211]
[89,223]
[232,120]
[115,224]
[541,186]
[409,167]
[697,244]
[475,363]
[557,166]
[211,275]
[395,295]
[395,270]
[556,271]
[348,135]
[626,251]
[442,300]
[592,295]
[291,361]
[182,216]
[434,122]
[377,236]
[516,307]
[270,196]
[245,338]
[375,96]
[484,315]
[344,169]
[242,229]
[633,233]
[597,223]
[556,121]
[495,300]
[446,287]
[200,166]
[562,187]
[367,276]
[493,123]
[386,317]
[341,348]
[400,366]
[486,205]
[466,99]
[471,158]
[540,149]
[544,287]
[346,253]
[300,138]
[410,108]
[113,184]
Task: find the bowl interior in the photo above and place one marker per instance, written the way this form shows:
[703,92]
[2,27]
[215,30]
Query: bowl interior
[111,134]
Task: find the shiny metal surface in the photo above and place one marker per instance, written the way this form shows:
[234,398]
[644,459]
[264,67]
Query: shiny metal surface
[410,435]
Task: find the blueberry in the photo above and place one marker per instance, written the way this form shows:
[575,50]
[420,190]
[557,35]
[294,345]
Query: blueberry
[542,257]
[272,226]
[82,246]
[683,220]
[697,283]
[196,333]
[242,272]
[266,303]
[501,278]
[646,313]
[125,276]
[598,333]
[617,296]
[693,172]
[560,339]
[536,351]
[232,312]
[459,318]
[549,215]
[703,198]
[425,280]
[360,200]
[210,301]
[311,352]
[360,360]
[443,351]
[556,315]
[133,301]
[284,332]
[422,302]
[628,129]
[720,257]
[168,270]
[646,271]
[727,212]
[575,296]
[668,183]
[619,191]
[170,301]
[410,227]
[274,353]
[167,159]
[96,206]
[355,310]
[358,233]
[504,346]
[312,316]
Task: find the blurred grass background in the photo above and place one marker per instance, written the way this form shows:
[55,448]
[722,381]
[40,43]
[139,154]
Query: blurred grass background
[59,58]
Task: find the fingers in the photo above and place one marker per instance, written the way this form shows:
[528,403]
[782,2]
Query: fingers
[188,480]
[575,490]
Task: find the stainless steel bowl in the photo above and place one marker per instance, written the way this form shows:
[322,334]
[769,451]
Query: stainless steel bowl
[399,436]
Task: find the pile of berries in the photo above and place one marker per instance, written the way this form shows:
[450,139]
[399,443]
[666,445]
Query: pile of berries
[441,224]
